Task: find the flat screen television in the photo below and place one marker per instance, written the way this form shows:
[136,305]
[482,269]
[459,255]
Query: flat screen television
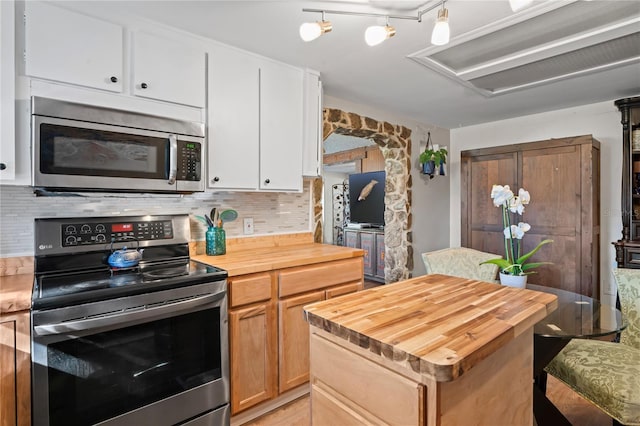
[366,199]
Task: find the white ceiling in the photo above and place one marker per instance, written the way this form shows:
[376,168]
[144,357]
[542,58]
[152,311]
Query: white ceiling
[384,76]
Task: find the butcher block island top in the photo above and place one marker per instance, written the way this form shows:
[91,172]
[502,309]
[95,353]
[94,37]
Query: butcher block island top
[437,326]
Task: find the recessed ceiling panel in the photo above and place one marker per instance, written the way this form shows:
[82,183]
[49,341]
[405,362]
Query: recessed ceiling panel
[555,41]
[591,58]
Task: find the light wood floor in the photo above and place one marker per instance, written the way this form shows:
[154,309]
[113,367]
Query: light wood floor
[578,411]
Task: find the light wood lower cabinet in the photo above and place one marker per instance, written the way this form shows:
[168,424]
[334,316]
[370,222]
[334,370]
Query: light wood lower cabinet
[15,388]
[366,393]
[252,341]
[302,286]
[269,337]
[294,340]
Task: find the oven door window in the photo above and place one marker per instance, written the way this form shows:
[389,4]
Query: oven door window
[96,377]
[69,150]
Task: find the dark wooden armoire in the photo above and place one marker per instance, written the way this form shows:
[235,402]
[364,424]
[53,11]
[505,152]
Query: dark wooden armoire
[628,247]
[563,178]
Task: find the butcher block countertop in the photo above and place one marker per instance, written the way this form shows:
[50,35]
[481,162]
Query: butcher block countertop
[261,259]
[15,293]
[16,284]
[438,326]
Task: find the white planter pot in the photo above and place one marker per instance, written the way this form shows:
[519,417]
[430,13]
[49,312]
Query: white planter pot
[519,281]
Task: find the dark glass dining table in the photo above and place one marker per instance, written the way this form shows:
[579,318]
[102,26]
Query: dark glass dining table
[577,317]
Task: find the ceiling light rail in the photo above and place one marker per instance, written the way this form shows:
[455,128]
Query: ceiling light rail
[376,34]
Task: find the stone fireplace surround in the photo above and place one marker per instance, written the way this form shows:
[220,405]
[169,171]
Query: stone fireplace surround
[395,144]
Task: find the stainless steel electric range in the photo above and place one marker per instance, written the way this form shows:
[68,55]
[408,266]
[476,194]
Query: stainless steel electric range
[143,343]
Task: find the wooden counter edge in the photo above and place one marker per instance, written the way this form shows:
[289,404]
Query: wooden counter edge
[279,258]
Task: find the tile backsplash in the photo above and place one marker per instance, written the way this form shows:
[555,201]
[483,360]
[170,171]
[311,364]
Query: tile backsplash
[272,212]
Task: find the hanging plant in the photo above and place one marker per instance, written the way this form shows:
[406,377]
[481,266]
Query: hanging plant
[432,160]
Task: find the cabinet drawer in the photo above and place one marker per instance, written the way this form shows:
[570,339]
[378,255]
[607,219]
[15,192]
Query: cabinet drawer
[343,289]
[249,289]
[307,278]
[389,397]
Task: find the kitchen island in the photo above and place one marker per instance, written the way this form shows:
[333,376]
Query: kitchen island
[432,350]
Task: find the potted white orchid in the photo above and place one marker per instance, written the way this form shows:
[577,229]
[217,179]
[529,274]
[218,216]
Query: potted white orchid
[515,264]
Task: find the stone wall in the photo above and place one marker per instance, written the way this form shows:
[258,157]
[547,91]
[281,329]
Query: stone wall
[395,144]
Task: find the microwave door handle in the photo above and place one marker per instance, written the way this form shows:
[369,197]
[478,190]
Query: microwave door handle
[173,159]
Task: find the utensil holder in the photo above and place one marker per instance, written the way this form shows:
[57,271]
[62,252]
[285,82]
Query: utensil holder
[216,241]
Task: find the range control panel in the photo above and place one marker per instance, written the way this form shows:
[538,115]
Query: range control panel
[76,234]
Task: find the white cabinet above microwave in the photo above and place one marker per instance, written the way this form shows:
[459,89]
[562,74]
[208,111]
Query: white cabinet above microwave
[70,47]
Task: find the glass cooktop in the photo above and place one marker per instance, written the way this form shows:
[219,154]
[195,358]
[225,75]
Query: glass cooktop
[80,287]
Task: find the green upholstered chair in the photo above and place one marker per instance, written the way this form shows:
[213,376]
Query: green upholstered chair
[461,262]
[608,373]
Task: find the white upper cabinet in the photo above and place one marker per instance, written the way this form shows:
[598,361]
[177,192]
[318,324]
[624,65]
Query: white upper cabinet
[234,128]
[7,96]
[168,70]
[280,127]
[312,143]
[255,123]
[70,47]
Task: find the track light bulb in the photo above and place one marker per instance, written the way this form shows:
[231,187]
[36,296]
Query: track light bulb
[376,34]
[312,30]
[516,5]
[440,34]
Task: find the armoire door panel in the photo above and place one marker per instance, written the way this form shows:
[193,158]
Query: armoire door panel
[486,172]
[553,180]
[488,241]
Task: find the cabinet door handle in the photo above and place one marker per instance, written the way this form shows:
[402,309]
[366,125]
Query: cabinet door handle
[114,79]
[216,179]
[3,166]
[144,85]
[267,181]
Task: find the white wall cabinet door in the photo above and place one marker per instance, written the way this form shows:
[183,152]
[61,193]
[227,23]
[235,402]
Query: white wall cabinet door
[312,143]
[70,47]
[255,123]
[168,70]
[7,92]
[281,95]
[234,130]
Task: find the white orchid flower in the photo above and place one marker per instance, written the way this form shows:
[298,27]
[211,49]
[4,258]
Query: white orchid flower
[501,194]
[524,196]
[516,206]
[513,231]
[523,227]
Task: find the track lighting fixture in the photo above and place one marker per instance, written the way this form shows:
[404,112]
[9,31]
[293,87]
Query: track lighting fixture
[312,30]
[440,34]
[376,34]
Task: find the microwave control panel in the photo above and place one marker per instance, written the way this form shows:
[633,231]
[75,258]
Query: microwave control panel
[189,161]
[76,234]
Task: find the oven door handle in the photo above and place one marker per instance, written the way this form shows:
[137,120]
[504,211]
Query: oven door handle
[121,318]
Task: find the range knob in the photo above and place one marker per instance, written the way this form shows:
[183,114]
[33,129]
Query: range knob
[70,230]
[85,229]
[100,238]
[100,228]
[71,240]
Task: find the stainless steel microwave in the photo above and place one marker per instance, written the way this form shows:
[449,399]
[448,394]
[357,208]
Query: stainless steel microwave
[79,147]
